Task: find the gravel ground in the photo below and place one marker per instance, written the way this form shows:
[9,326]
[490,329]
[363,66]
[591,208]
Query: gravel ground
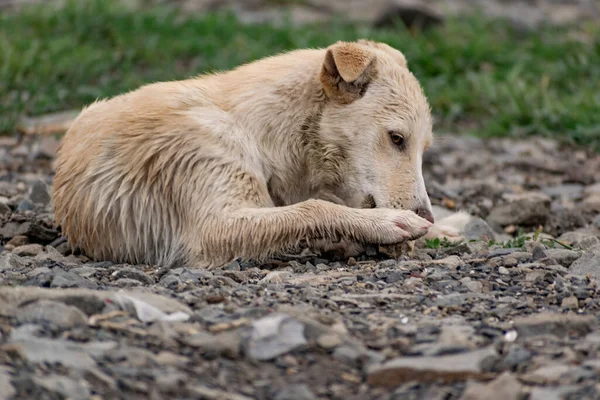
[481,320]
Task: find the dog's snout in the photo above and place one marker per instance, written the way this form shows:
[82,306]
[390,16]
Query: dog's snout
[425,213]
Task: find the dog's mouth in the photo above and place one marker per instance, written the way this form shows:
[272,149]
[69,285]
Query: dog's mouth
[369,202]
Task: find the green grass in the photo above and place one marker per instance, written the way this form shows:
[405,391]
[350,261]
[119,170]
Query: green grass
[481,76]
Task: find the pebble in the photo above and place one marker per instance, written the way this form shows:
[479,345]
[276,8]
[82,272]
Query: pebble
[329,341]
[48,311]
[427,369]
[274,335]
[505,387]
[295,392]
[28,249]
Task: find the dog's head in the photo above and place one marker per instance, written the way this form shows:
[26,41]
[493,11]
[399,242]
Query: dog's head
[378,114]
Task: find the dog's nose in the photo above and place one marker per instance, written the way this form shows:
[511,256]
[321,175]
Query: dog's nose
[425,213]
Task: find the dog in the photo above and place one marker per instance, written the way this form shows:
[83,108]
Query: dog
[305,146]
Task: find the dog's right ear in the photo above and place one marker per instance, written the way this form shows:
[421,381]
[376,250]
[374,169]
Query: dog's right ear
[347,71]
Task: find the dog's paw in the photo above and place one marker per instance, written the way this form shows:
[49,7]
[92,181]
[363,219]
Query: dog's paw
[395,226]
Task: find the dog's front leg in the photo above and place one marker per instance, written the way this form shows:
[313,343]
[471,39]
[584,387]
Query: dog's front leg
[257,232]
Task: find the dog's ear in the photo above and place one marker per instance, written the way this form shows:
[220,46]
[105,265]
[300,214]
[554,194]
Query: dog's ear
[347,71]
[396,54]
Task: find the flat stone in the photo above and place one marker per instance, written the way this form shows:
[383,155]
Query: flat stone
[580,240]
[7,390]
[132,273]
[64,386]
[38,194]
[554,324]
[274,335]
[28,250]
[226,344]
[530,208]
[53,312]
[478,229]
[588,263]
[570,303]
[329,341]
[68,279]
[127,282]
[69,354]
[12,262]
[295,392]
[450,368]
[505,387]
[564,257]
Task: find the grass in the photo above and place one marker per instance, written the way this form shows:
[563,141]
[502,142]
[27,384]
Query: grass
[481,76]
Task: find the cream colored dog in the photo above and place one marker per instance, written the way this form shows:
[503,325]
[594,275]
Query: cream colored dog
[313,144]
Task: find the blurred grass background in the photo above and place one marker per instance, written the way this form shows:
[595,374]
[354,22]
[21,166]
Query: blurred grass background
[482,77]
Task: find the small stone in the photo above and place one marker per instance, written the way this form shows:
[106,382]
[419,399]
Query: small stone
[329,341]
[295,392]
[448,368]
[7,390]
[64,279]
[570,303]
[346,354]
[554,324]
[19,241]
[53,312]
[12,262]
[132,273]
[531,208]
[127,282]
[588,264]
[564,257]
[478,229]
[226,344]
[233,266]
[549,374]
[474,286]
[25,205]
[39,194]
[64,387]
[503,271]
[393,277]
[4,208]
[277,277]
[505,387]
[274,335]
[28,250]
[170,281]
[579,240]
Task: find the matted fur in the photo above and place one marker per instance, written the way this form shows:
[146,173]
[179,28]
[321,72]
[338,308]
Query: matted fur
[249,162]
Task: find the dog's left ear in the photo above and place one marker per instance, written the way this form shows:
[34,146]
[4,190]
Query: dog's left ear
[347,70]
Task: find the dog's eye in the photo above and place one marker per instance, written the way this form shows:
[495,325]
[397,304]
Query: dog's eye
[397,139]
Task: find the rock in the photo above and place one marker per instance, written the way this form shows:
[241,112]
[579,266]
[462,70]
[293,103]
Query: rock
[28,249]
[568,191]
[530,208]
[12,262]
[25,205]
[592,203]
[478,229]
[329,341]
[579,240]
[36,232]
[473,286]
[59,351]
[596,221]
[295,392]
[448,368]
[412,14]
[7,390]
[39,194]
[552,393]
[588,264]
[277,277]
[52,312]
[19,241]
[549,373]
[274,335]
[346,354]
[4,208]
[64,387]
[48,124]
[68,279]
[570,303]
[554,324]
[503,271]
[226,344]
[127,282]
[563,256]
[505,387]
[516,356]
[132,273]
